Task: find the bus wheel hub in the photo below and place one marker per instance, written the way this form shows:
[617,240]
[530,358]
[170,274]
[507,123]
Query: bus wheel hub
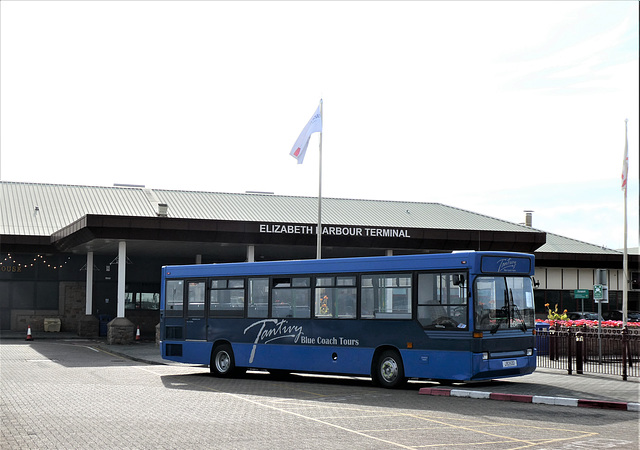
[389,369]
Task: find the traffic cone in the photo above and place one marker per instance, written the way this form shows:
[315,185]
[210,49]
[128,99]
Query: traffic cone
[29,336]
[138,334]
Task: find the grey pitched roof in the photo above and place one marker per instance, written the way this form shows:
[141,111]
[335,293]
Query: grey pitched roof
[561,244]
[40,209]
[34,209]
[289,209]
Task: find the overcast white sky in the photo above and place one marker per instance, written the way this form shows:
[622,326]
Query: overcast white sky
[492,107]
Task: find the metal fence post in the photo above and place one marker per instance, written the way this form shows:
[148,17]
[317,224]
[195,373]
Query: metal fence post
[625,350]
[579,357]
[600,273]
[569,352]
[620,347]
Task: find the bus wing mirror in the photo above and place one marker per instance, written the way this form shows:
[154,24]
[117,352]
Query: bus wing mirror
[458,279]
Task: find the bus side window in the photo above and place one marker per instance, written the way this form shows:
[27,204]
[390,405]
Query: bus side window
[442,301]
[196,298]
[291,297]
[336,297]
[258,301]
[386,296]
[226,298]
[346,295]
[174,298]
[366,298]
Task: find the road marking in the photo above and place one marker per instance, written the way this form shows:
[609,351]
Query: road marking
[302,416]
[528,442]
[537,439]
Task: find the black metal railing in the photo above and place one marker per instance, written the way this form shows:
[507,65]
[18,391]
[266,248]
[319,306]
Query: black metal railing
[585,350]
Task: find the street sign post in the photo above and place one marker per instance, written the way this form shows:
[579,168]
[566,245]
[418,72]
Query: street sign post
[581,294]
[601,296]
[598,292]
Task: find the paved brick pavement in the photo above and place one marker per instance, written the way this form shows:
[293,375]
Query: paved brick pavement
[548,385]
[551,386]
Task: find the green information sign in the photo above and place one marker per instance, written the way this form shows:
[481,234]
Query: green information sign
[581,294]
[598,292]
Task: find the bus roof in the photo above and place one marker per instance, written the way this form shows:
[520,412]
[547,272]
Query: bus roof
[458,260]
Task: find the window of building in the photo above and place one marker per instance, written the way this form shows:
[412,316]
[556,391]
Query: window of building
[142,300]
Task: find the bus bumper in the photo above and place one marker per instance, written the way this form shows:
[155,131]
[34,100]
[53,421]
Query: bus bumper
[486,369]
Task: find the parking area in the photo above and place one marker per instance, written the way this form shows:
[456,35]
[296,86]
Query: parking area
[376,418]
[77,395]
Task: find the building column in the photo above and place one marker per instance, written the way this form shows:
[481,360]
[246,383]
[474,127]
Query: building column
[198,259]
[389,253]
[122,269]
[251,253]
[89,326]
[89,287]
[121,330]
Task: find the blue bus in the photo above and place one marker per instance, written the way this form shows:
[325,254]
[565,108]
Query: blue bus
[456,316]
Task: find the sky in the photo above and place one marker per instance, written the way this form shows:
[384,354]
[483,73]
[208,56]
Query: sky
[491,107]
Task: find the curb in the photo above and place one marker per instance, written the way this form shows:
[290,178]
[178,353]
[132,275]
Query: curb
[559,401]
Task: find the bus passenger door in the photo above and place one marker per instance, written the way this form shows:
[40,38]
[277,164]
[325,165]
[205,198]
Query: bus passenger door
[196,320]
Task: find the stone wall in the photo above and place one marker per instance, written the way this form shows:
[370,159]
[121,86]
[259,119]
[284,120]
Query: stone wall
[120,331]
[88,326]
[71,307]
[146,320]
[72,304]
[23,318]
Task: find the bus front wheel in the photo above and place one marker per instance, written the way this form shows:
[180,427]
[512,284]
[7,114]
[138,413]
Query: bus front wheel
[222,361]
[389,370]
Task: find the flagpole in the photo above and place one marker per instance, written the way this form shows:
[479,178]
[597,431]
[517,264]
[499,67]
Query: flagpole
[625,276]
[319,229]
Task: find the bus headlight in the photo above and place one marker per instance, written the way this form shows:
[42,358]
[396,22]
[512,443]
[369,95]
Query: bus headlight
[529,352]
[485,355]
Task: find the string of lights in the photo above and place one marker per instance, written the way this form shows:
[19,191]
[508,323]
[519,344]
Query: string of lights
[12,264]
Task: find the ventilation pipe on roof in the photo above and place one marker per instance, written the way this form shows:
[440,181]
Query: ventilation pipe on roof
[528,218]
[162,209]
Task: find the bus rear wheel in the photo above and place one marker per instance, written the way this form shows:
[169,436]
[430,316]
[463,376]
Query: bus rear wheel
[389,371]
[222,361]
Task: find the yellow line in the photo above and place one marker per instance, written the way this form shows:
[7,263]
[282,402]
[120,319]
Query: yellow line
[315,394]
[505,439]
[528,442]
[310,418]
[108,353]
[464,444]
[385,430]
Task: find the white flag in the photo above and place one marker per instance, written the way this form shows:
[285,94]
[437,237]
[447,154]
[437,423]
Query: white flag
[313,126]
[625,160]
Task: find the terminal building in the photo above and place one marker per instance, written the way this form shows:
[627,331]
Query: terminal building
[68,253]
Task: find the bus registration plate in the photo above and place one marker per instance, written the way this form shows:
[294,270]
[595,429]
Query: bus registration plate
[510,363]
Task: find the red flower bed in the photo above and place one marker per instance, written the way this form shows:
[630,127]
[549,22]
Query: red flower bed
[588,323]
